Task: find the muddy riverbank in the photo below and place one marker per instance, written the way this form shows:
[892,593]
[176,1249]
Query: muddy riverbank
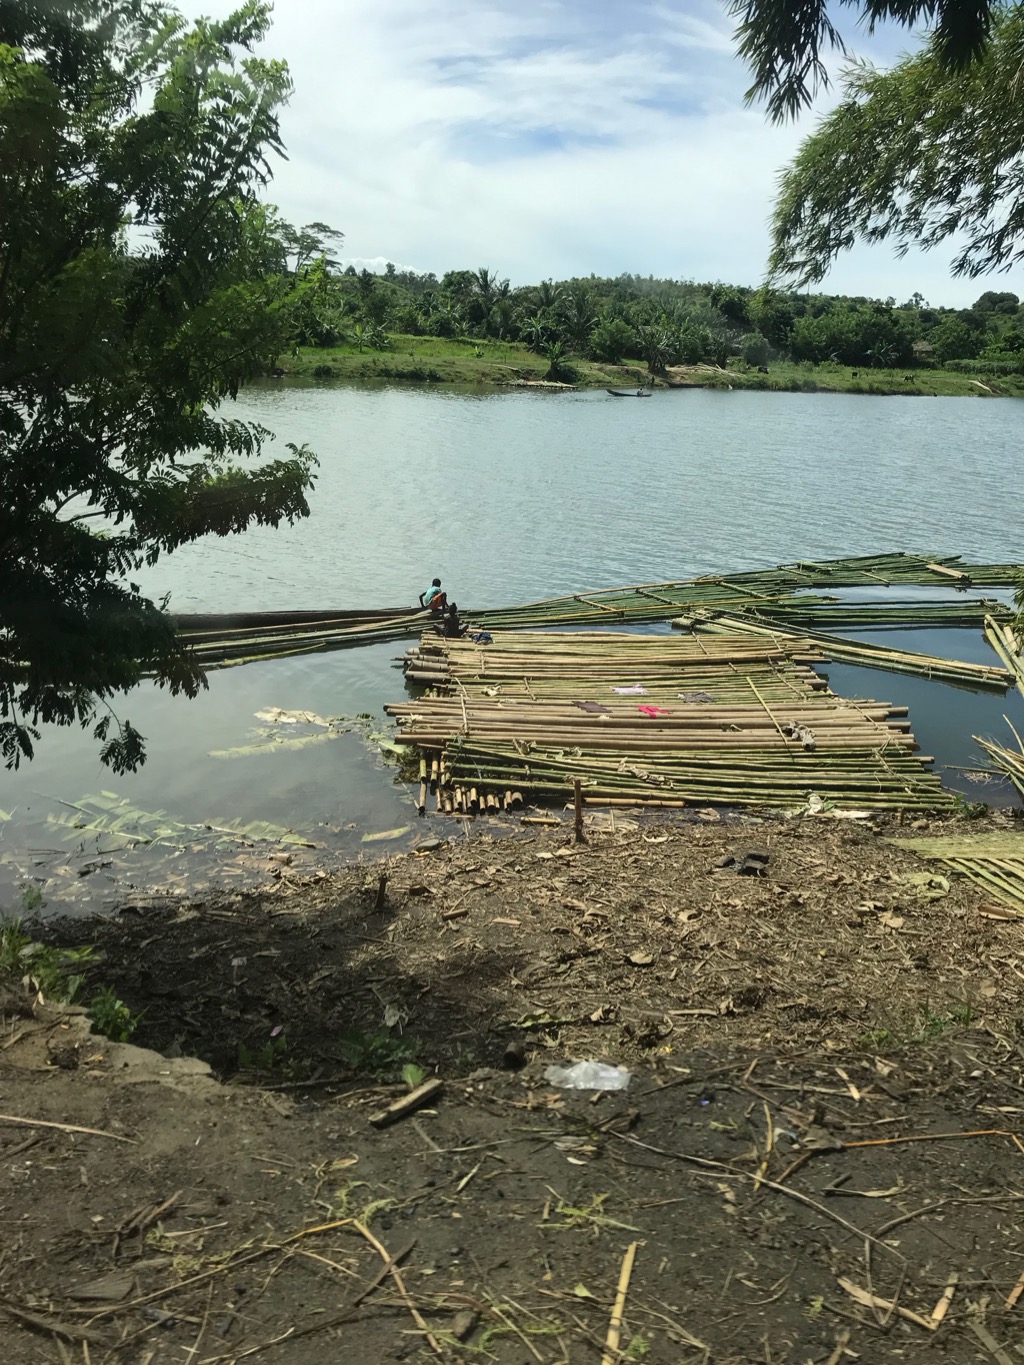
[802,1043]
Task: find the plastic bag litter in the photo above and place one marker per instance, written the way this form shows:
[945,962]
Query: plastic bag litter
[588,1076]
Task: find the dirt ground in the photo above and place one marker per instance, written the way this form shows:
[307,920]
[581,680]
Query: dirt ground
[816,1156]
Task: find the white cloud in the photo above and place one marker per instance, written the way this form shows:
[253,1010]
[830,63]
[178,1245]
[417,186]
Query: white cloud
[376,265]
[545,138]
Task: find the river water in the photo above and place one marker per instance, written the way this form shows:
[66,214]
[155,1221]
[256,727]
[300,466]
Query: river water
[510,497]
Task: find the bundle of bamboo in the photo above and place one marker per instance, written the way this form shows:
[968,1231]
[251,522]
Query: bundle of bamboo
[1006,643]
[856,652]
[654,720]
[995,862]
[772,595]
[1009,762]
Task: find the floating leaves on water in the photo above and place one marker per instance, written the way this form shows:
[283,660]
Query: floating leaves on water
[386,834]
[275,743]
[270,738]
[116,818]
[274,715]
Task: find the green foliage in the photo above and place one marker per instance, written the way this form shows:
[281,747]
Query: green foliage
[266,1057]
[58,975]
[755,349]
[922,1027]
[53,973]
[658,347]
[932,1025]
[953,339]
[994,301]
[853,335]
[914,155]
[112,1017]
[376,1052]
[141,285]
[560,370]
[783,40]
[613,340]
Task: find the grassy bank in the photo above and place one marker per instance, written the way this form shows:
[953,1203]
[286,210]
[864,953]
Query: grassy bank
[803,377]
[435,360]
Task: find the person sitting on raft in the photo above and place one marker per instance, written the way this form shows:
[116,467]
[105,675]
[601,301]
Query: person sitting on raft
[451,627]
[434,599]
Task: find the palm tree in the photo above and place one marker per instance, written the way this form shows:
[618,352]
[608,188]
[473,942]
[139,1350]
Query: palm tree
[657,348]
[578,317]
[559,368]
[483,284]
[536,333]
[547,294]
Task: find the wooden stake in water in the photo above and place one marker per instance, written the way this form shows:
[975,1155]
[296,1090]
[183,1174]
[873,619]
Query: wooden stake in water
[577,796]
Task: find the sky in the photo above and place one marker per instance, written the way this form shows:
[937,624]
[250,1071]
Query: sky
[550,139]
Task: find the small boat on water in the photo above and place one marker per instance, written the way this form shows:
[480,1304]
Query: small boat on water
[629,393]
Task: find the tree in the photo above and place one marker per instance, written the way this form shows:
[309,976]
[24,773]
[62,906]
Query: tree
[658,347]
[138,291]
[953,339]
[611,340]
[993,301]
[314,242]
[755,349]
[577,318]
[782,40]
[854,335]
[914,155]
[560,370]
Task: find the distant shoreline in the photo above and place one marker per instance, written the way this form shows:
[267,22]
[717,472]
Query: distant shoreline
[430,361]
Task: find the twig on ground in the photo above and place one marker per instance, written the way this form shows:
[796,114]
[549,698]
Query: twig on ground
[906,1217]
[769,1144]
[942,1307]
[873,1301]
[804,1199]
[989,1342]
[1015,1292]
[393,1271]
[64,1128]
[931,1137]
[10,1152]
[45,1324]
[408,1104]
[383,1273]
[193,1350]
[842,1341]
[611,1345]
[232,1263]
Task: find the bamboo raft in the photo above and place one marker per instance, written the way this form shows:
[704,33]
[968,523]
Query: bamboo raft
[736,720]
[856,652]
[778,596]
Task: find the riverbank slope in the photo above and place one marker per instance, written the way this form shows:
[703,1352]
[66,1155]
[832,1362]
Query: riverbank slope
[824,1059]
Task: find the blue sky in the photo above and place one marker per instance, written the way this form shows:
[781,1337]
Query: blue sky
[550,138]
